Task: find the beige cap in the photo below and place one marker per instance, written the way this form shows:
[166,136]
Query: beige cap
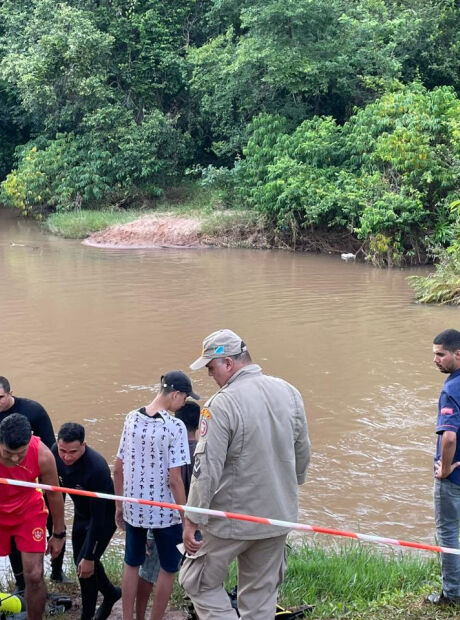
[222,343]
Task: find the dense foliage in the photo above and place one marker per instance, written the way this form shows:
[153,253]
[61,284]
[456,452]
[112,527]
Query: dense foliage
[323,115]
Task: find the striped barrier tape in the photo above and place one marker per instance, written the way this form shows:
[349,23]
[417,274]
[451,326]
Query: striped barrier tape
[237,516]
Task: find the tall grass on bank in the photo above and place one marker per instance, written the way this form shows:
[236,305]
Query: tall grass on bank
[353,578]
[79,224]
[189,199]
[443,285]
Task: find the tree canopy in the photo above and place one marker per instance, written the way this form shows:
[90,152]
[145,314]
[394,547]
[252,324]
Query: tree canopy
[320,114]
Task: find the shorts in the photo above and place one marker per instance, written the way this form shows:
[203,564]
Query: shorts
[166,539]
[29,534]
[151,566]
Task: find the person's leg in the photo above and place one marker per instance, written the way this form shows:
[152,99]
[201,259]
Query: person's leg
[35,593]
[110,592]
[134,557]
[148,575]
[16,567]
[129,590]
[144,589]
[166,541]
[260,572]
[163,589]
[447,514]
[202,577]
[88,585]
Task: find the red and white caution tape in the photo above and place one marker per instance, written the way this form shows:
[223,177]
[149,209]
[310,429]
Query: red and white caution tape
[237,516]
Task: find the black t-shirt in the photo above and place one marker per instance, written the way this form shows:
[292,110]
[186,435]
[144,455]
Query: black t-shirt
[97,516]
[37,416]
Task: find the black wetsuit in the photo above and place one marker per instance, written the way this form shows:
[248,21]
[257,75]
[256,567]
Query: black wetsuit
[37,416]
[93,523]
[43,428]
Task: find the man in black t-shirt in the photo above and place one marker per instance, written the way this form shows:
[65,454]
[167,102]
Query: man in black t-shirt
[43,428]
[81,467]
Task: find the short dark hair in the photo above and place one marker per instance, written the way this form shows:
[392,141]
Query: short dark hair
[15,431]
[71,431]
[5,384]
[449,339]
[190,415]
[244,356]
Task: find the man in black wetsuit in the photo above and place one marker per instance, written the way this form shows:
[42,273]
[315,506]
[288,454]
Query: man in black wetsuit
[43,428]
[81,467]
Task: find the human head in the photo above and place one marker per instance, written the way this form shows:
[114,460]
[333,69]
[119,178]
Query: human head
[190,415]
[71,442]
[175,387]
[446,349]
[15,434]
[6,397]
[223,353]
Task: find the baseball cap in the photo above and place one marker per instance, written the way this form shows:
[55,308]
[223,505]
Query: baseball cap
[178,380]
[222,343]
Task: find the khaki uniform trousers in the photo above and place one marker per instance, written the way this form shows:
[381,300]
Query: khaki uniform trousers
[261,566]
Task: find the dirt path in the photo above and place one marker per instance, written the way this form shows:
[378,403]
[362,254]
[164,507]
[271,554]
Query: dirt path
[149,231]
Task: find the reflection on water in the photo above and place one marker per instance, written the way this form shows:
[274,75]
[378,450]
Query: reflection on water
[88,333]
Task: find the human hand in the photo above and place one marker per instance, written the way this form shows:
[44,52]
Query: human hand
[119,521]
[54,546]
[191,544]
[85,568]
[440,474]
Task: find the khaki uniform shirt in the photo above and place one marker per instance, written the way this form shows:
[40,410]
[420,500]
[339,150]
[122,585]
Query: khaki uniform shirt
[252,452]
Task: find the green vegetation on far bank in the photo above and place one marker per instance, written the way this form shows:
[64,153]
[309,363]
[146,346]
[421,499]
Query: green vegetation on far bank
[336,122]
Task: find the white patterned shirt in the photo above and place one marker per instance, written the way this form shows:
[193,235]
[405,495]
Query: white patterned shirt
[149,448]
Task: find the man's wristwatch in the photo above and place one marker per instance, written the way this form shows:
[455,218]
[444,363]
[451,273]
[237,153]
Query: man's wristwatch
[59,534]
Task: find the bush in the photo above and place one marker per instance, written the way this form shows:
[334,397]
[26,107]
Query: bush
[387,175]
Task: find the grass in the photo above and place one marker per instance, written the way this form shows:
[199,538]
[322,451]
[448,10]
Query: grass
[79,224]
[443,285]
[228,228]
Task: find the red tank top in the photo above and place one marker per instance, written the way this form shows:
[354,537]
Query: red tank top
[15,501]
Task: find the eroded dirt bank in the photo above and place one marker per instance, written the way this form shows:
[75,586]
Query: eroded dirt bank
[149,231]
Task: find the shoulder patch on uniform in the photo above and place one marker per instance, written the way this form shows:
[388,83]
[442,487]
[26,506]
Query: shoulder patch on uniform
[447,411]
[206,413]
[203,427]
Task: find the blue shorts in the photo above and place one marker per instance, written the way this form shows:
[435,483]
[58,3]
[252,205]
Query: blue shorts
[166,540]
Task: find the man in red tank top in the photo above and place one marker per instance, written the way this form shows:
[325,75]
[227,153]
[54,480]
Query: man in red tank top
[23,511]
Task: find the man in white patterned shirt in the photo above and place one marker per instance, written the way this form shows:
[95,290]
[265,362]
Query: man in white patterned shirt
[153,448]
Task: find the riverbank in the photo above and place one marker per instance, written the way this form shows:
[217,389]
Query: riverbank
[190,216]
[341,581]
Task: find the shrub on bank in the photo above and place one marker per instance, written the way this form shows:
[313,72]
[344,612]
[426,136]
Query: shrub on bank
[388,174]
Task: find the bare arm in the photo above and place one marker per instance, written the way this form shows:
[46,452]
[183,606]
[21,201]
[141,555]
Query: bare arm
[448,446]
[48,475]
[118,485]
[177,486]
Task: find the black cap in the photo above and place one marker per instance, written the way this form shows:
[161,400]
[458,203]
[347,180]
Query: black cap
[178,380]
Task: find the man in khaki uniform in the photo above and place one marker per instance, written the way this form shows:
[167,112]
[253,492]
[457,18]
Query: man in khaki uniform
[253,451]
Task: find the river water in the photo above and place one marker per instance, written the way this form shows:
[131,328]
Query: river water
[88,333]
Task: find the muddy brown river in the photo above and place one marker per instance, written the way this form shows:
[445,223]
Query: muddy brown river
[88,332]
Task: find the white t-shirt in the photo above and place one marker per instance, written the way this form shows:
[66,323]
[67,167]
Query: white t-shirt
[149,448]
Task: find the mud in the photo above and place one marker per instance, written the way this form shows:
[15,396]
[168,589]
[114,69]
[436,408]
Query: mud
[149,232]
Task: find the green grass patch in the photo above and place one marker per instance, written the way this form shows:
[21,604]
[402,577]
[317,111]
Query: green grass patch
[352,579]
[79,224]
[186,200]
